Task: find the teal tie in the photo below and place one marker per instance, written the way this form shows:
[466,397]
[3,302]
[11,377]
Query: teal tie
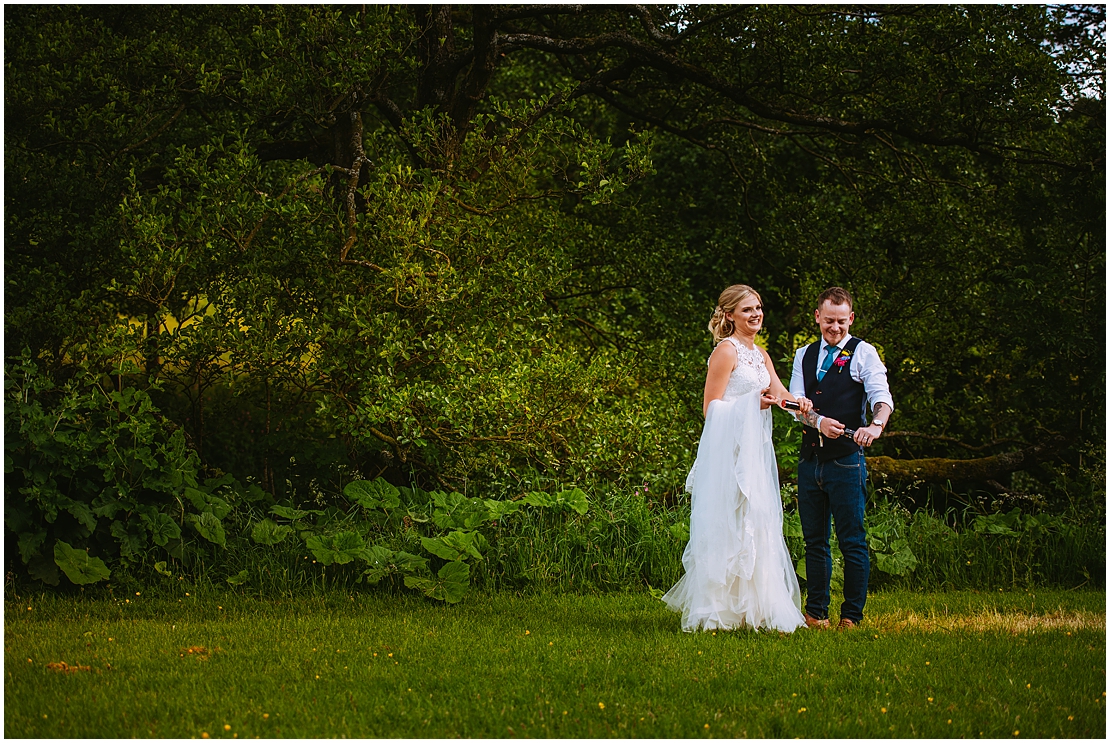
[829,358]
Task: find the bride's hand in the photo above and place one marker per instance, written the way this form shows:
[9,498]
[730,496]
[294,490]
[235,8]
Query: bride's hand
[766,399]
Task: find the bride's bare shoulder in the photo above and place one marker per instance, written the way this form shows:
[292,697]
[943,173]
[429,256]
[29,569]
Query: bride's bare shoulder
[724,353]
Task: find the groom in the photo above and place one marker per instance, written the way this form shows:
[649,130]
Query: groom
[842,376]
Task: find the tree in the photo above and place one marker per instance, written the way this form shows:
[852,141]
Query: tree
[429,231]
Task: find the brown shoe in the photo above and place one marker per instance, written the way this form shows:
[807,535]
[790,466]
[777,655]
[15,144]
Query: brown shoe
[847,624]
[812,623]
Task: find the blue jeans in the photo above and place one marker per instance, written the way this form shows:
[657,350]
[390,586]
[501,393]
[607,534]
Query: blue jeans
[835,489]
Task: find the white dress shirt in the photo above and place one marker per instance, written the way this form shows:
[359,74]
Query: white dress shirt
[866,368]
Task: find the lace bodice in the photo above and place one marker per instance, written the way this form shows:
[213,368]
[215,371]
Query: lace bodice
[750,372]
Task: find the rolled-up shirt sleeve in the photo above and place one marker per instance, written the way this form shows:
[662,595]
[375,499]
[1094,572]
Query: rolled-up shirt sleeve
[797,382]
[870,371]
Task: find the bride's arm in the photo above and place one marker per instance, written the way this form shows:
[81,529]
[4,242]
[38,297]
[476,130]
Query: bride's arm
[721,364]
[777,389]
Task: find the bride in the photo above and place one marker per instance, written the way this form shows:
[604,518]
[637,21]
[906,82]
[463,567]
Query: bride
[738,570]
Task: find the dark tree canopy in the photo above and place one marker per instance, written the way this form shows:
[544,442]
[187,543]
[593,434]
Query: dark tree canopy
[475,246]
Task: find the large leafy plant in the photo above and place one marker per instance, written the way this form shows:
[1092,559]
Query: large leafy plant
[449,532]
[95,474]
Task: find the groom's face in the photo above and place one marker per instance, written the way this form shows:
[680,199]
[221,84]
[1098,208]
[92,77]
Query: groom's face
[834,320]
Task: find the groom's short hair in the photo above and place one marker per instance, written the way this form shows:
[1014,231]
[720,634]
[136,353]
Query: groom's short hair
[835,295]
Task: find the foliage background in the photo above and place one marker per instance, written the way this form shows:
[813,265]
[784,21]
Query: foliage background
[254,255]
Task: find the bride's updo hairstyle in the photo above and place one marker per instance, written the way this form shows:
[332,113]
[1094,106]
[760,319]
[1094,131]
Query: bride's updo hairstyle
[720,325]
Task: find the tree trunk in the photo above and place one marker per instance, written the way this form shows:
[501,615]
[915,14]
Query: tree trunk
[982,469]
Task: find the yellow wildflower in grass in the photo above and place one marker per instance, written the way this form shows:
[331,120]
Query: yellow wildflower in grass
[527,632]
[265,715]
[883,710]
[204,735]
[1029,686]
[707,726]
[930,699]
[228,727]
[601,705]
[1070,717]
[803,709]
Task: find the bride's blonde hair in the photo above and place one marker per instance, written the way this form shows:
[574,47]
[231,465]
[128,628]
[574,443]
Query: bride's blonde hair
[720,325]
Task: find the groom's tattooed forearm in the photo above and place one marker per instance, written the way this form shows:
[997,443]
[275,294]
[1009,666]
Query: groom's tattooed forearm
[809,418]
[882,412]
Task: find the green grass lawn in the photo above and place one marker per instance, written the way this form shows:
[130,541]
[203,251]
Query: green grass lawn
[922,665]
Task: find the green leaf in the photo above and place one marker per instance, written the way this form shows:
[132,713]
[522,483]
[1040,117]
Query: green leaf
[450,585]
[680,531]
[574,499]
[499,509]
[78,566]
[160,567]
[291,513]
[337,549]
[268,532]
[83,514]
[379,559]
[454,546]
[539,499]
[378,493]
[1002,524]
[44,568]
[209,527]
[407,562]
[206,502]
[898,562]
[29,543]
[439,548]
[197,498]
[131,541]
[218,506]
[239,578]
[162,528]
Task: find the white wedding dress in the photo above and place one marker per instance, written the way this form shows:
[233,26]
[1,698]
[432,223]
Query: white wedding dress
[738,570]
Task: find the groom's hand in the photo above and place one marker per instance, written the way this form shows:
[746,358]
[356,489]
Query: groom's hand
[831,429]
[866,436]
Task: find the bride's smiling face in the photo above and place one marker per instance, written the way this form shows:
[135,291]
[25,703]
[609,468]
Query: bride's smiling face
[748,316]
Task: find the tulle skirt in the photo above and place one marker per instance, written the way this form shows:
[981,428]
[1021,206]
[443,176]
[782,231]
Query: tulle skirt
[738,569]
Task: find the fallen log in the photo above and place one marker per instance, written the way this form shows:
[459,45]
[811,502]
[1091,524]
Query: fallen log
[980,469]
